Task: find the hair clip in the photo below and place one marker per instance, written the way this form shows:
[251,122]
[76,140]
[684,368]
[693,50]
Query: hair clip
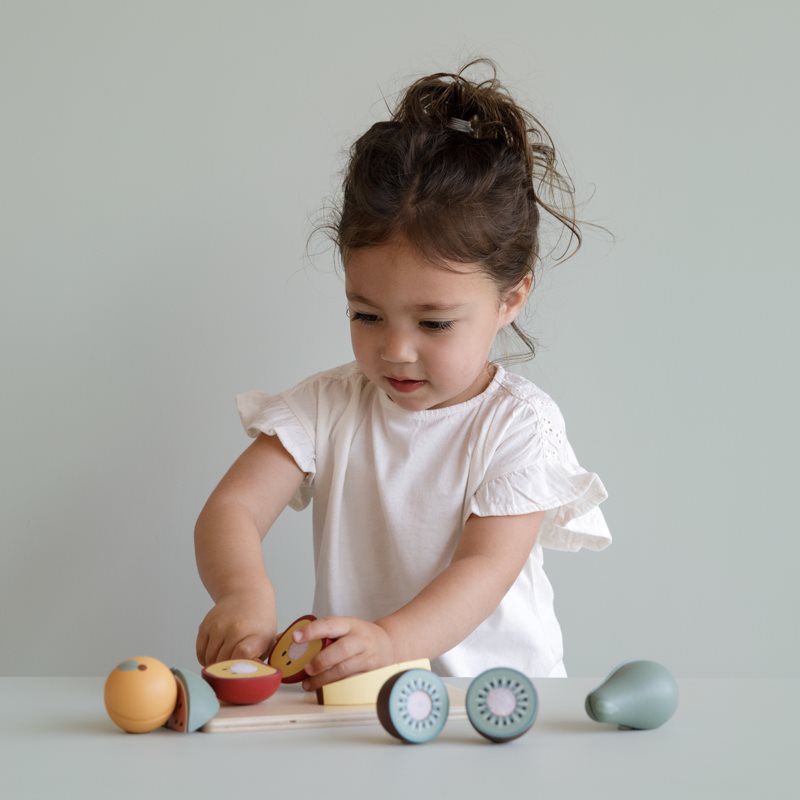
[462,125]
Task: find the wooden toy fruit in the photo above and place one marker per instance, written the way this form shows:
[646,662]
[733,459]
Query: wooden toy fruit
[290,657]
[242,681]
[196,703]
[501,704]
[140,694]
[363,689]
[638,695]
[413,705]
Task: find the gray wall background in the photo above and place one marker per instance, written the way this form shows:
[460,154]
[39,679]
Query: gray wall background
[162,166]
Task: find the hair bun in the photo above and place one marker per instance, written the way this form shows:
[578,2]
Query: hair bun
[483,110]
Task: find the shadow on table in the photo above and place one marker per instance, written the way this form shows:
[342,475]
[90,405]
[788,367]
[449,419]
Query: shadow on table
[76,727]
[573,726]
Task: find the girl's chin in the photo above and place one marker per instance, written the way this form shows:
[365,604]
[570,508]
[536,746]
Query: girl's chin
[410,401]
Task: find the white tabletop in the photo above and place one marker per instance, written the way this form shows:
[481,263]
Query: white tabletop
[728,739]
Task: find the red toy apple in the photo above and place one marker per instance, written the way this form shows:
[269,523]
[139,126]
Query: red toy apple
[289,657]
[242,681]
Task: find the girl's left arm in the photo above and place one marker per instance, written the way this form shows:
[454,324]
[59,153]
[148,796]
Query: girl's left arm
[487,561]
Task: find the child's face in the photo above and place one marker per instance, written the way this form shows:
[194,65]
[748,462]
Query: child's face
[422,333]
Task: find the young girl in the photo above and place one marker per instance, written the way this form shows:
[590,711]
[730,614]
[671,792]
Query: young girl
[437,477]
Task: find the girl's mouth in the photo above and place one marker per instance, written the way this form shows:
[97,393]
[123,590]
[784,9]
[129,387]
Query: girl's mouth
[405,386]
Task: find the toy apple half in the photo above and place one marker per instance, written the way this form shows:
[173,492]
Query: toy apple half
[289,657]
[242,682]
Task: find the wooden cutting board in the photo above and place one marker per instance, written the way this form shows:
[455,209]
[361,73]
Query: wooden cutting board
[291,707]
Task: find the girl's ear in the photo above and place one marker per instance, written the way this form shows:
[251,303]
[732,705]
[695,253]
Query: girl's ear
[514,300]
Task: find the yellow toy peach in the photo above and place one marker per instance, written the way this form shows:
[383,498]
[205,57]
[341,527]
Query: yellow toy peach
[140,694]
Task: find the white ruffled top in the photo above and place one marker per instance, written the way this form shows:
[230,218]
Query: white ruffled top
[392,489]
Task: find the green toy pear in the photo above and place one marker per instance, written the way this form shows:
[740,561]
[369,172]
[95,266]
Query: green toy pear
[638,695]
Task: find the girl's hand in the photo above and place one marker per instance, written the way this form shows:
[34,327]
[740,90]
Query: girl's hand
[241,625]
[360,646]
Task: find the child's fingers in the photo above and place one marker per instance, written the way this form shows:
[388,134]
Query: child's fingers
[209,640]
[324,628]
[339,651]
[228,648]
[219,648]
[343,669]
[201,646]
[251,647]
[210,653]
[208,645]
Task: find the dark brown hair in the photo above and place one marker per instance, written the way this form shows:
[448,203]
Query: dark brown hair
[462,173]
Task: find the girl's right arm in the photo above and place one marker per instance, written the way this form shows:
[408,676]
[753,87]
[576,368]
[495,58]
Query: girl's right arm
[228,534]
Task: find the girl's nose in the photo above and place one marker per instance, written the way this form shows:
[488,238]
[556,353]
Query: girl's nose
[398,348]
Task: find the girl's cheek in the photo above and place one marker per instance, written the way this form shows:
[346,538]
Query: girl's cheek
[359,350]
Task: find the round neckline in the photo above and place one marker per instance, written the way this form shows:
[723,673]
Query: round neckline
[432,413]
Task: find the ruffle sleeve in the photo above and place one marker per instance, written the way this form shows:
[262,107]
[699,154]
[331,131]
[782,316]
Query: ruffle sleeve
[540,472]
[570,498]
[270,414]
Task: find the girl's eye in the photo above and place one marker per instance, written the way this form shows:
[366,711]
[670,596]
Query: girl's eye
[364,319]
[437,324]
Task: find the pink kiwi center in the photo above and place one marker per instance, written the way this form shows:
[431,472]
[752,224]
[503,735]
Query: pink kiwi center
[501,701]
[419,705]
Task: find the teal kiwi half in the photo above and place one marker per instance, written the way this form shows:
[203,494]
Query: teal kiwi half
[502,704]
[413,705]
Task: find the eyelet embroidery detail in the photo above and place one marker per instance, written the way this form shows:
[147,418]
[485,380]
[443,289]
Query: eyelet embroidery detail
[551,424]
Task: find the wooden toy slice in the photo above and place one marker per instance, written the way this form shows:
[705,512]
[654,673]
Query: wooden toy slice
[196,704]
[364,688]
[179,719]
[289,657]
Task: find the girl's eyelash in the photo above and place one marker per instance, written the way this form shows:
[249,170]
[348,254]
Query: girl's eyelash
[438,325]
[359,316]
[429,324]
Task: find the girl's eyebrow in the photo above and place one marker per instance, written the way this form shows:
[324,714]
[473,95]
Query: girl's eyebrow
[357,298]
